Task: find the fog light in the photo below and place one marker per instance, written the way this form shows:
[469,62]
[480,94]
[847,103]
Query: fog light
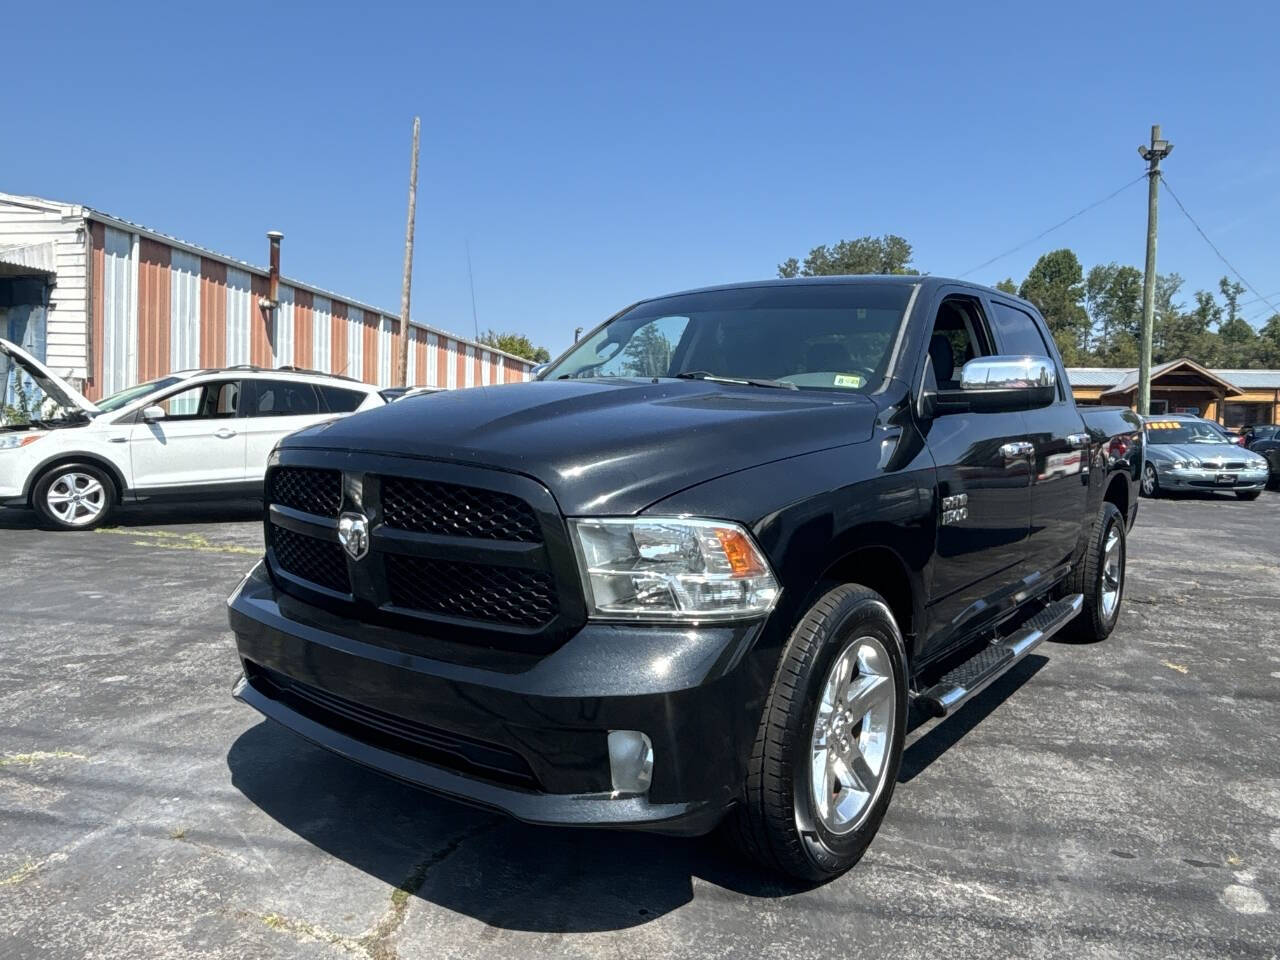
[630,761]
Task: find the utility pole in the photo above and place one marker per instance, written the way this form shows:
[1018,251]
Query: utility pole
[1153,154]
[402,362]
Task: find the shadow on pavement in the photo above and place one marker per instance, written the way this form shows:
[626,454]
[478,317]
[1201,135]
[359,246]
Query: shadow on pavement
[150,515]
[504,873]
[919,755]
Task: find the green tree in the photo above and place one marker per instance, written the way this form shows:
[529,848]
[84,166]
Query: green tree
[1269,342]
[648,353]
[1113,295]
[1056,286]
[887,254]
[516,343]
[1008,286]
[1237,340]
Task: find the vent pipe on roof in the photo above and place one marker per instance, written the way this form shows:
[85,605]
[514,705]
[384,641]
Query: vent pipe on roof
[272,298]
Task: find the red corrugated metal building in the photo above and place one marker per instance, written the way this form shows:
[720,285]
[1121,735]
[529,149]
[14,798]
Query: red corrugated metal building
[125,304]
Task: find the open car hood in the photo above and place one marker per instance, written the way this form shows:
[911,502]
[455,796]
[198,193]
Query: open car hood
[48,381]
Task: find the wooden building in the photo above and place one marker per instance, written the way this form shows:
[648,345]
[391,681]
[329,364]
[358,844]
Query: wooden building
[1234,398]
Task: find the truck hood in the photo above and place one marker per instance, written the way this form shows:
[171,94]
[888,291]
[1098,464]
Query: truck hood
[48,381]
[607,446]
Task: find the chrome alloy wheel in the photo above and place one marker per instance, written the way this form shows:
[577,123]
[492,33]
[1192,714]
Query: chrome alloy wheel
[1149,482]
[852,732]
[77,499]
[1112,572]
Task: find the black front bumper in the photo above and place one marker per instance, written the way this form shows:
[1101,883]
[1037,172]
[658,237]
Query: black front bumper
[520,733]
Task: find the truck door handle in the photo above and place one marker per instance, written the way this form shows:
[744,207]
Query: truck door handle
[226,433]
[1078,441]
[1018,449]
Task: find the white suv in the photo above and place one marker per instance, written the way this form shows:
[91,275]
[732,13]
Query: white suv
[192,434]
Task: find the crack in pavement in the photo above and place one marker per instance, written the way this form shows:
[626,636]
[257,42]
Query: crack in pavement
[376,942]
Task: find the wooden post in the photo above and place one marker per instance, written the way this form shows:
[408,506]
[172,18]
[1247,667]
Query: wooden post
[402,361]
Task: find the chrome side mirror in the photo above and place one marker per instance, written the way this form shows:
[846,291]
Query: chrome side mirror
[994,384]
[539,370]
[153,413]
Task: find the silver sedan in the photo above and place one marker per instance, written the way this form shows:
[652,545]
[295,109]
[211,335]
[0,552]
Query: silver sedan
[1188,453]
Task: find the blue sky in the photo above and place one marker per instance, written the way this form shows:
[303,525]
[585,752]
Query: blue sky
[593,154]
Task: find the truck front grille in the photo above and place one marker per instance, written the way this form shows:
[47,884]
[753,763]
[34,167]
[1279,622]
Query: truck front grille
[455,511]
[480,554]
[524,598]
[308,490]
[309,558]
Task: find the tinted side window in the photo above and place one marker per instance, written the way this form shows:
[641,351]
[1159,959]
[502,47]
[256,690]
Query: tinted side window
[284,398]
[338,400]
[1017,332]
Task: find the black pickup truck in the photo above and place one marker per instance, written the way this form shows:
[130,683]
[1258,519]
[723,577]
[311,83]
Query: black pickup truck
[699,570]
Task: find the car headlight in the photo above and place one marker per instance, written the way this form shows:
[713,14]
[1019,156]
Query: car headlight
[672,568]
[11,441]
[1178,464]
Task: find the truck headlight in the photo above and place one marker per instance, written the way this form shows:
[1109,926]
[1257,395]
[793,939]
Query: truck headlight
[672,568]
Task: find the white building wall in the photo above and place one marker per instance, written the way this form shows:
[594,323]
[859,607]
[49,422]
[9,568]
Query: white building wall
[500,373]
[411,371]
[239,311]
[322,338]
[433,360]
[469,368]
[486,371]
[119,311]
[184,310]
[451,364]
[25,221]
[282,337]
[355,343]
[384,351]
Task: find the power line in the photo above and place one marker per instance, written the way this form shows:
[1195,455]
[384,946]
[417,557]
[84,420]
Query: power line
[1045,233]
[1248,286]
[1245,303]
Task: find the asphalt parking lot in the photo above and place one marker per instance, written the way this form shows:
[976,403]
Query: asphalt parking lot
[1117,800]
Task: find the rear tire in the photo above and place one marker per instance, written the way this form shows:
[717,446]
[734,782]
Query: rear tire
[1150,482]
[1099,577]
[74,496]
[827,753]
[1248,494]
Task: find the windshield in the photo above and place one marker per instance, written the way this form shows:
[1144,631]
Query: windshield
[836,336]
[1184,431]
[125,397]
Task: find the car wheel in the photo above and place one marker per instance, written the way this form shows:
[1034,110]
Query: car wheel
[1150,482]
[1248,494]
[74,496]
[827,752]
[1099,577]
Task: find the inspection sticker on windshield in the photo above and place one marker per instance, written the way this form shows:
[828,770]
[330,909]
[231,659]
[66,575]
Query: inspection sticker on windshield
[849,380]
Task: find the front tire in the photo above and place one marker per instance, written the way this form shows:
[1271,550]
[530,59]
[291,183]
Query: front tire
[74,496]
[1150,482]
[1099,576]
[827,753]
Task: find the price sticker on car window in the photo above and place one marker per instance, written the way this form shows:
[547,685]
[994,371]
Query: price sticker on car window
[849,380]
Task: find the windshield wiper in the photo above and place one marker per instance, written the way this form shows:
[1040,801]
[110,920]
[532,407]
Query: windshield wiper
[749,381]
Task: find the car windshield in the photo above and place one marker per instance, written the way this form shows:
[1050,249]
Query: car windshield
[1184,431]
[127,396]
[835,336]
